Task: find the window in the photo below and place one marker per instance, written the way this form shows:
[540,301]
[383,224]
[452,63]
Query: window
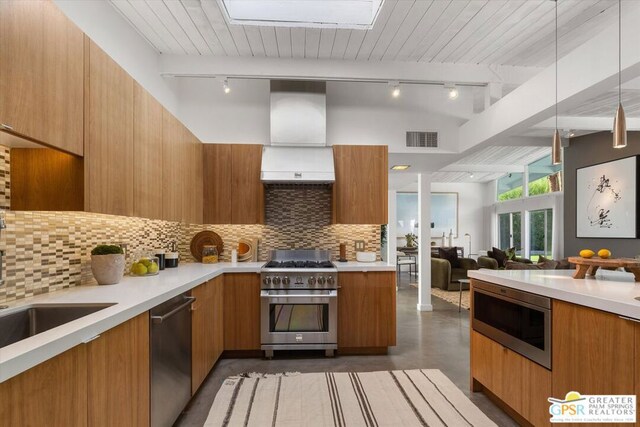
[510,186]
[407,213]
[510,231]
[543,177]
[540,229]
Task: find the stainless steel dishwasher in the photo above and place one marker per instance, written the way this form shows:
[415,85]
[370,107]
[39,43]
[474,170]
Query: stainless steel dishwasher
[170,359]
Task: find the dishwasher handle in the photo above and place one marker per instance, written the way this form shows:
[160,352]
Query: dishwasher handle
[187,302]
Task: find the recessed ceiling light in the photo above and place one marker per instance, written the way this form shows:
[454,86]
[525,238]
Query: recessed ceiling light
[225,86]
[471,175]
[452,89]
[400,167]
[350,14]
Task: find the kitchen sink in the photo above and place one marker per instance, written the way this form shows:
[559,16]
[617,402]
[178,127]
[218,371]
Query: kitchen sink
[37,318]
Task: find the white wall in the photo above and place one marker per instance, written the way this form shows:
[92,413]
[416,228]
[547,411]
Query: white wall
[113,33]
[471,201]
[357,113]
[241,116]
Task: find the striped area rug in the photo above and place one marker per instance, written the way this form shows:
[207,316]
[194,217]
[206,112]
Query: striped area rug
[420,397]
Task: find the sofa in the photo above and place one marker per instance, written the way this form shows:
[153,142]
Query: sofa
[445,277]
[489,261]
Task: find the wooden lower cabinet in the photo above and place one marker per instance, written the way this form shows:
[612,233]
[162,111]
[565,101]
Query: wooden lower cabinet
[53,393]
[207,336]
[593,351]
[242,311]
[520,383]
[637,366]
[102,383]
[118,375]
[366,309]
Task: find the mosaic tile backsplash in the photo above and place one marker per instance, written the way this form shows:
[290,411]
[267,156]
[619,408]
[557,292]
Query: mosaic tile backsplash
[47,251]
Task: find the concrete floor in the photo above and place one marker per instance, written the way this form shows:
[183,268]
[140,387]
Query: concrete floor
[427,340]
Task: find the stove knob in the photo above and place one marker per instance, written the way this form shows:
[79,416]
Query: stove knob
[330,281]
[286,281]
[276,281]
[266,280]
[320,280]
[311,281]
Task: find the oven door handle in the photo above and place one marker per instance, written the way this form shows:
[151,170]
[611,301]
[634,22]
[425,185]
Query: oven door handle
[331,294]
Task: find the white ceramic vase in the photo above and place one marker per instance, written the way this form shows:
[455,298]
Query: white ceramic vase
[107,269]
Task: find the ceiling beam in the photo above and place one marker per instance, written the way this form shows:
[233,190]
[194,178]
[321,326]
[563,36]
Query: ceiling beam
[330,69]
[585,123]
[495,168]
[584,73]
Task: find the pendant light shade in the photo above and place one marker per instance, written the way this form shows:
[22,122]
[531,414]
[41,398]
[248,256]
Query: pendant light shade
[556,148]
[620,129]
[619,122]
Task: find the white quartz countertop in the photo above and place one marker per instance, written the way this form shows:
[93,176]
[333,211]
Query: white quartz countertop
[131,297]
[364,266]
[610,291]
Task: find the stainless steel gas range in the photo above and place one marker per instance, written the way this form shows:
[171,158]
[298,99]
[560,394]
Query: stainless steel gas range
[299,302]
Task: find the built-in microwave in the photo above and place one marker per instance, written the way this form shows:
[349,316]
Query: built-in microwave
[518,320]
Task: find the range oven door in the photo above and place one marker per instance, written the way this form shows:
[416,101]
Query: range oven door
[518,320]
[298,317]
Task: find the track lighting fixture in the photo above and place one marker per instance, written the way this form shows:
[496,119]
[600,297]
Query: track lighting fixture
[395,89]
[225,86]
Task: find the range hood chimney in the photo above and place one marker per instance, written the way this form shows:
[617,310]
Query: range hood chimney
[298,151]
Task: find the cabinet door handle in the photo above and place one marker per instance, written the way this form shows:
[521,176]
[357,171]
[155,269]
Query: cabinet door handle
[88,340]
[631,319]
[5,126]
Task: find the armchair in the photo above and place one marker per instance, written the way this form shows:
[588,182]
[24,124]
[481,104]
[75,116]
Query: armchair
[445,277]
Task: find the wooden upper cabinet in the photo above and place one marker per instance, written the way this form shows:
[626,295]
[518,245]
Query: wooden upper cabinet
[233,192]
[217,183]
[41,74]
[247,201]
[53,393]
[366,309]
[361,187]
[173,173]
[192,178]
[599,358]
[147,155]
[63,81]
[109,154]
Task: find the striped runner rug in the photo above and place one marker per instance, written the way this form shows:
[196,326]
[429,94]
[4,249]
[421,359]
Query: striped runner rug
[419,397]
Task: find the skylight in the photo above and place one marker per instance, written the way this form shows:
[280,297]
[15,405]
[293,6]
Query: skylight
[352,14]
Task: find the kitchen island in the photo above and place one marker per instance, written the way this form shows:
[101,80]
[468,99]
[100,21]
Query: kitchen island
[541,334]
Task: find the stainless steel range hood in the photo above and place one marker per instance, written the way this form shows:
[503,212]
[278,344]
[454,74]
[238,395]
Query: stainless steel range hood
[298,151]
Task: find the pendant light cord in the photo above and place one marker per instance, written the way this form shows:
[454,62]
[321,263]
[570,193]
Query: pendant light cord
[556,64]
[620,52]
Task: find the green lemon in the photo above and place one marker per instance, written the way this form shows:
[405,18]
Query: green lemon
[145,261]
[153,268]
[139,269]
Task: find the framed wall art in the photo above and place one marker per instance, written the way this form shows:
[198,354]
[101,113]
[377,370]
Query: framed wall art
[607,199]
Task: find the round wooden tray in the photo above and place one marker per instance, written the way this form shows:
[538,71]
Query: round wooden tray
[205,238]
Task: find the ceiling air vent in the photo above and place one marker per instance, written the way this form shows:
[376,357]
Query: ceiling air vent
[422,139]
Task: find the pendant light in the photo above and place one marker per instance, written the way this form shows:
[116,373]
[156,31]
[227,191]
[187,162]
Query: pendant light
[619,122]
[556,146]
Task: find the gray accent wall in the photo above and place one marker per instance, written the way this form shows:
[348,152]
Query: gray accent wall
[586,151]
